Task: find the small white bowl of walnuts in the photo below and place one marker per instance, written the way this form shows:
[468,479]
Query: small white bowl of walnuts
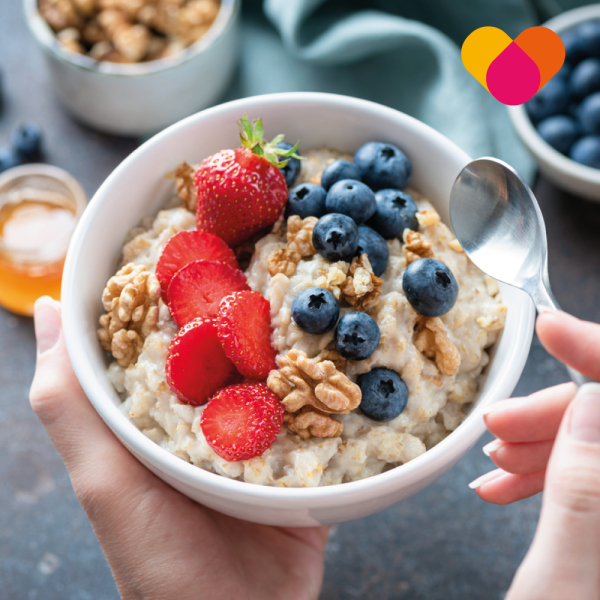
[133,67]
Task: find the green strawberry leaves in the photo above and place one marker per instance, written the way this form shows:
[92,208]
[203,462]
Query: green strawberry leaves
[251,137]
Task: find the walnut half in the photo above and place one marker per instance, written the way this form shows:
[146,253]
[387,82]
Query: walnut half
[131,301]
[311,382]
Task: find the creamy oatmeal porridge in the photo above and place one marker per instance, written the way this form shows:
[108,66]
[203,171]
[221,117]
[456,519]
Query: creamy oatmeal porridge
[440,360]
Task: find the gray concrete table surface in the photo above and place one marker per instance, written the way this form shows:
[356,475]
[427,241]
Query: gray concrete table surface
[444,543]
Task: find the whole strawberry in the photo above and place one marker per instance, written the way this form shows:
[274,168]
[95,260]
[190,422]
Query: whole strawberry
[239,192]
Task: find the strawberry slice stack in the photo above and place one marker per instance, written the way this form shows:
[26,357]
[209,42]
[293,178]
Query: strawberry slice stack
[225,333]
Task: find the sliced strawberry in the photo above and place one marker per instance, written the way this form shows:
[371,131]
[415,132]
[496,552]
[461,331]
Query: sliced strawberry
[196,364]
[242,421]
[244,327]
[197,289]
[187,246]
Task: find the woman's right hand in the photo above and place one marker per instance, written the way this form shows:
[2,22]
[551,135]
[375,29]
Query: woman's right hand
[526,428]
[551,441]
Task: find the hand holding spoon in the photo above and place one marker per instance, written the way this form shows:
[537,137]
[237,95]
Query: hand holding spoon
[498,222]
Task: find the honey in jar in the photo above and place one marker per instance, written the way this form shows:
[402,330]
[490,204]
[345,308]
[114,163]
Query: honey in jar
[39,209]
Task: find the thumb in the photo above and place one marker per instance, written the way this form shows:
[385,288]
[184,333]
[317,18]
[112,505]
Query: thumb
[563,559]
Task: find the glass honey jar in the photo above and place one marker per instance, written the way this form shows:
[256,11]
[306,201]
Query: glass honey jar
[40,206]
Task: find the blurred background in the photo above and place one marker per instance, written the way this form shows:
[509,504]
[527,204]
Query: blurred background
[442,544]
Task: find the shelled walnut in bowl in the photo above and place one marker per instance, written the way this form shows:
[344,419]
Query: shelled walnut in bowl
[129,31]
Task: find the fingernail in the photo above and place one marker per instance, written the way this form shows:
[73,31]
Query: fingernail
[47,323]
[492,447]
[585,418]
[488,409]
[486,478]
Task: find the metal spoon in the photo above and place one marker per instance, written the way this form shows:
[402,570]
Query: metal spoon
[498,222]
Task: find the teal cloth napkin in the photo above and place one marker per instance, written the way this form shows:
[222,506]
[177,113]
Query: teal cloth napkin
[404,54]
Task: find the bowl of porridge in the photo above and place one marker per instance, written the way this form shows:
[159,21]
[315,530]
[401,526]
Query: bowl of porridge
[371,386]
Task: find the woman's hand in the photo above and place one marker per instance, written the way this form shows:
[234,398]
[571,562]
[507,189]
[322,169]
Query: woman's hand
[526,428]
[551,441]
[158,543]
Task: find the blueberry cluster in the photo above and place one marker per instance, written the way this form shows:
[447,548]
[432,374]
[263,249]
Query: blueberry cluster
[359,204]
[25,146]
[566,111]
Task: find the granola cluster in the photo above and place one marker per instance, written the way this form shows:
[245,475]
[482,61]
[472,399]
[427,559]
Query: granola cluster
[313,389]
[131,301]
[129,31]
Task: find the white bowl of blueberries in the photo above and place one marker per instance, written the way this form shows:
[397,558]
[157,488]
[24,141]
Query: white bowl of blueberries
[560,125]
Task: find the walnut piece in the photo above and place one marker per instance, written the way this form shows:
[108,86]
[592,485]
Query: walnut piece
[432,340]
[138,30]
[312,382]
[133,42]
[337,359]
[131,301]
[362,288]
[415,247]
[184,184]
[299,245]
[59,14]
[308,421]
[427,218]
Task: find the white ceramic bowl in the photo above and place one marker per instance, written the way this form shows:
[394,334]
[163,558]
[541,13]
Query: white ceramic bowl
[137,188]
[142,98]
[559,169]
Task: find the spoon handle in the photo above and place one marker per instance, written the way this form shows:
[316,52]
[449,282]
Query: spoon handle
[544,301]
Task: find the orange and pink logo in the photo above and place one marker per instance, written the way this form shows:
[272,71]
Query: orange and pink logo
[513,70]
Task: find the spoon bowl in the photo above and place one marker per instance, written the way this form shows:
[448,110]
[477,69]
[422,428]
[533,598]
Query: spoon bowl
[499,224]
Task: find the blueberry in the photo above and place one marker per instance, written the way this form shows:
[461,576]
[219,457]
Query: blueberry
[384,394]
[588,113]
[335,237]
[396,211]
[565,71]
[585,78]
[375,246]
[9,158]
[338,170]
[586,42]
[356,336]
[552,99]
[292,169]
[315,310]
[307,200]
[430,287]
[560,132]
[383,166]
[26,139]
[353,198]
[587,151]
[575,47]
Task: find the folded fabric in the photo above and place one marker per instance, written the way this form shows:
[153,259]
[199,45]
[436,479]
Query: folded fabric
[402,54]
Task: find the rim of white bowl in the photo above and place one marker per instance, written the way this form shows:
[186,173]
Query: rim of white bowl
[543,151]
[48,40]
[460,440]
